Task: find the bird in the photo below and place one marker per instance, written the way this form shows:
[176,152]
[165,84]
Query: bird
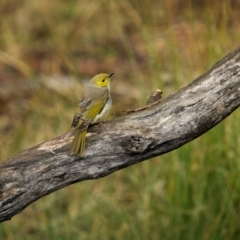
[95,102]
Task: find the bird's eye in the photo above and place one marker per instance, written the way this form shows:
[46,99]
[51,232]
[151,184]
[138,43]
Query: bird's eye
[103,80]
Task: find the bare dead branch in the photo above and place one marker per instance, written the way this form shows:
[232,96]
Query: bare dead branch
[176,120]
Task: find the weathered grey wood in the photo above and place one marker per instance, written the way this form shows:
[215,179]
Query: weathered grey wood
[178,119]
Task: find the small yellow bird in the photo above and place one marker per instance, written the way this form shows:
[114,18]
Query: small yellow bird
[95,102]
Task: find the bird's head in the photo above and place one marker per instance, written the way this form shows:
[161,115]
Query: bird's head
[101,80]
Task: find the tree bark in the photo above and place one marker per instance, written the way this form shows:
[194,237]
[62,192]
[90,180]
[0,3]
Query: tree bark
[111,146]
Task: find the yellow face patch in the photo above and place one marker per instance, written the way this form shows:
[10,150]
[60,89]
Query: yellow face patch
[101,80]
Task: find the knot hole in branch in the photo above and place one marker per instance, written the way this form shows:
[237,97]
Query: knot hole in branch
[137,143]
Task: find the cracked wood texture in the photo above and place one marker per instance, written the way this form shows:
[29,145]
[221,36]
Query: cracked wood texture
[111,146]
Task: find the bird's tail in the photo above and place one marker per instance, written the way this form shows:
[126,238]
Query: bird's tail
[77,146]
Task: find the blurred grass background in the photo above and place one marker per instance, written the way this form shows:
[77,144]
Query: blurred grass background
[48,47]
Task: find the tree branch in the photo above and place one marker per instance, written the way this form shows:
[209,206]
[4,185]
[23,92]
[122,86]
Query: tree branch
[176,120]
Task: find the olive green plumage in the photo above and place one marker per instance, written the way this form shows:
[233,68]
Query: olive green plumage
[94,103]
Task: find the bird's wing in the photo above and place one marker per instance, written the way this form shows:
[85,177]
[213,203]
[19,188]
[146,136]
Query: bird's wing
[85,103]
[94,109]
[95,101]
[90,107]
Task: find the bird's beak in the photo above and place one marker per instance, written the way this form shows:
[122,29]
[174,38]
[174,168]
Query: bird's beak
[110,74]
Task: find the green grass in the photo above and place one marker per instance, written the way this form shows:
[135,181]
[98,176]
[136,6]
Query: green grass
[190,193]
